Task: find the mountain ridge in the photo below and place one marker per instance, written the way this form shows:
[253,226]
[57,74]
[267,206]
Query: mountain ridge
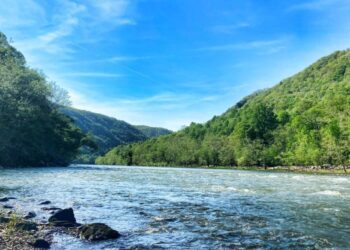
[107,131]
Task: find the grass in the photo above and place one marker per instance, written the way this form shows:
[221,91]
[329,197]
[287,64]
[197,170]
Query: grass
[10,228]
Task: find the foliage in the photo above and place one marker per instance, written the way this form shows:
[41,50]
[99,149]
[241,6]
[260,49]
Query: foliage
[59,96]
[32,131]
[107,132]
[304,120]
[151,132]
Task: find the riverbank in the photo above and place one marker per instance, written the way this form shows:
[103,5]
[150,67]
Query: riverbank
[293,169]
[318,170]
[22,234]
[25,231]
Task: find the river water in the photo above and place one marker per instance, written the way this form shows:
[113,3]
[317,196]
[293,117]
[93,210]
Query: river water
[176,208]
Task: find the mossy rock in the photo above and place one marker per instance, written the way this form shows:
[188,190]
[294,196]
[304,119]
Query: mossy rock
[97,232]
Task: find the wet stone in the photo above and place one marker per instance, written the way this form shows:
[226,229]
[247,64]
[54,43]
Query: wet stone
[51,208]
[30,215]
[40,243]
[45,203]
[64,218]
[97,232]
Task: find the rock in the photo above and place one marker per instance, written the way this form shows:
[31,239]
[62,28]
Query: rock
[51,208]
[4,199]
[40,243]
[97,232]
[30,215]
[64,217]
[26,226]
[7,206]
[45,203]
[4,220]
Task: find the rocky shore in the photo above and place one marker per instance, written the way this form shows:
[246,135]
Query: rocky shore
[23,231]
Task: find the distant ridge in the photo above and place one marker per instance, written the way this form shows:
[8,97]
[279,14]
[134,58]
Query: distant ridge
[109,132]
[151,132]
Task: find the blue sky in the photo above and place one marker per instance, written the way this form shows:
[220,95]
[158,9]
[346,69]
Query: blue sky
[169,62]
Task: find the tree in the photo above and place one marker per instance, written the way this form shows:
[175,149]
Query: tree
[58,95]
[32,130]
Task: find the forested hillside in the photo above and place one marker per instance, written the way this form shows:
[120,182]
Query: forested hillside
[304,120]
[32,130]
[151,132]
[108,132]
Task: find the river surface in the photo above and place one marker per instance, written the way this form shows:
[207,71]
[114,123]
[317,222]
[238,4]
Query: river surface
[177,208]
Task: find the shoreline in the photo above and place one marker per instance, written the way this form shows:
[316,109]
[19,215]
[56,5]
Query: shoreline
[312,170]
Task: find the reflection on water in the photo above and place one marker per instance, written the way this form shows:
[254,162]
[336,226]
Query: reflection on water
[156,208]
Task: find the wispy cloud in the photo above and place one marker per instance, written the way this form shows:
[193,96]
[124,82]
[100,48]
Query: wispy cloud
[166,105]
[69,19]
[228,29]
[66,21]
[113,11]
[51,40]
[25,13]
[271,46]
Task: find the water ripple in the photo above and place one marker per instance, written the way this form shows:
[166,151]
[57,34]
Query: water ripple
[172,208]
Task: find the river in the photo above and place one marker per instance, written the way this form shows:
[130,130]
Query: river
[177,208]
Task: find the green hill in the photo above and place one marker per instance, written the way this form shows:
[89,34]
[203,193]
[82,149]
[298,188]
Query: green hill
[151,132]
[108,132]
[303,120]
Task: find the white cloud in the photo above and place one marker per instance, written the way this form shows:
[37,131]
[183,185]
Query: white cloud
[25,13]
[113,11]
[51,34]
[165,109]
[51,40]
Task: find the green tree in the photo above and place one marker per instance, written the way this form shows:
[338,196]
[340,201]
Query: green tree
[32,131]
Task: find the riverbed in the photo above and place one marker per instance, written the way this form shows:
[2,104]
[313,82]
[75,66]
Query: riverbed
[177,208]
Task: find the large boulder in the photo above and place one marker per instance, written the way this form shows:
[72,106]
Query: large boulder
[97,232]
[64,218]
[41,244]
